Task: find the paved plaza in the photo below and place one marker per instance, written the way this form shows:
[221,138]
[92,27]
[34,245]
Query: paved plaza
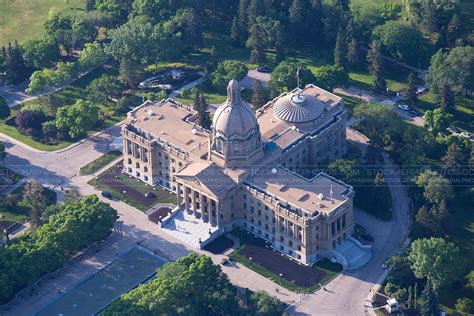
[100,289]
[186,228]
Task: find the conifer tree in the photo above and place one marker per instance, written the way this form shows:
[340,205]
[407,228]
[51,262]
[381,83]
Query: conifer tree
[204,116]
[315,20]
[256,43]
[258,98]
[447,99]
[374,58]
[410,94]
[340,51]
[353,53]
[453,30]
[430,301]
[297,18]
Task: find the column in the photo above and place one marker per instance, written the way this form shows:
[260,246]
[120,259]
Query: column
[178,186]
[186,198]
[193,201]
[209,211]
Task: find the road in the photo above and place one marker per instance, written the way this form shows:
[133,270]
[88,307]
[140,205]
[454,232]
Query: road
[347,294]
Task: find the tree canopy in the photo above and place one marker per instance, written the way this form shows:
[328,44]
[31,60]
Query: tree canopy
[284,76]
[435,259]
[75,226]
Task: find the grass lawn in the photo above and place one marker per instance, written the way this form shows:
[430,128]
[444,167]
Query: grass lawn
[100,162]
[321,272]
[23,19]
[464,110]
[66,97]
[460,228]
[18,211]
[115,182]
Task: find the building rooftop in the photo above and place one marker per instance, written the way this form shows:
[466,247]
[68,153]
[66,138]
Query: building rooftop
[310,195]
[293,114]
[207,176]
[171,122]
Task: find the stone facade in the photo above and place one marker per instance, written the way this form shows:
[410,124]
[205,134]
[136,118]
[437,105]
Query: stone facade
[251,169]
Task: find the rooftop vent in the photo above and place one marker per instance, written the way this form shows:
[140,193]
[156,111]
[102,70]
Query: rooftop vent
[283,188]
[194,131]
[321,196]
[151,113]
[304,197]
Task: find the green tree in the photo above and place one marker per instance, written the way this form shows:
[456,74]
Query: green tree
[455,157]
[410,93]
[447,98]
[14,64]
[435,187]
[240,24]
[4,108]
[228,70]
[378,122]
[33,197]
[52,102]
[77,119]
[453,30]
[374,58]
[436,259]
[340,51]
[58,27]
[100,89]
[258,97]
[433,218]
[331,77]
[129,73]
[3,152]
[429,307]
[470,280]
[191,285]
[92,56]
[437,121]
[402,41]
[202,107]
[297,19]
[456,68]
[465,306]
[284,76]
[40,53]
[266,305]
[353,53]
[256,44]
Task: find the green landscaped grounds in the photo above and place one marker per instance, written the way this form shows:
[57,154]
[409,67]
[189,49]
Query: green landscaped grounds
[323,267]
[115,182]
[66,97]
[100,162]
[23,19]
[464,111]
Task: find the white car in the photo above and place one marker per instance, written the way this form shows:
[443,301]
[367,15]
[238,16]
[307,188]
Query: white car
[466,134]
[403,107]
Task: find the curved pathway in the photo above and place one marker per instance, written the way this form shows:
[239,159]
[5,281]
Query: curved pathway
[351,291]
[346,295]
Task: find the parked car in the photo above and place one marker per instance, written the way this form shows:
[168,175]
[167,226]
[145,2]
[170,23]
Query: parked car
[454,130]
[225,261]
[403,107]
[415,112]
[264,69]
[150,195]
[466,134]
[107,195]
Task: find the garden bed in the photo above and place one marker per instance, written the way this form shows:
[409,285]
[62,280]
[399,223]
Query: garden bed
[131,190]
[100,162]
[257,254]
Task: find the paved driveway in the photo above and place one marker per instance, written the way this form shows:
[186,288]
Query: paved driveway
[347,292]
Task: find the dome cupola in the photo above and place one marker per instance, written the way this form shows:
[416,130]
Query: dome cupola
[235,134]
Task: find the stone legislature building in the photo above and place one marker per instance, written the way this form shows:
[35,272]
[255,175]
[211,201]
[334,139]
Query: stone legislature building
[252,169]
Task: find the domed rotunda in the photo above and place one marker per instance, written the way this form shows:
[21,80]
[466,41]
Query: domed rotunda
[235,135]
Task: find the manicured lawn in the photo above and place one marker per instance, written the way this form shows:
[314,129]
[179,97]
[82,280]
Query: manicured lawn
[364,81]
[66,97]
[256,254]
[464,110]
[19,212]
[100,162]
[130,190]
[23,19]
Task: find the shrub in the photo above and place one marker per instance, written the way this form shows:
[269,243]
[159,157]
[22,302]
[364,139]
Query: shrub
[4,108]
